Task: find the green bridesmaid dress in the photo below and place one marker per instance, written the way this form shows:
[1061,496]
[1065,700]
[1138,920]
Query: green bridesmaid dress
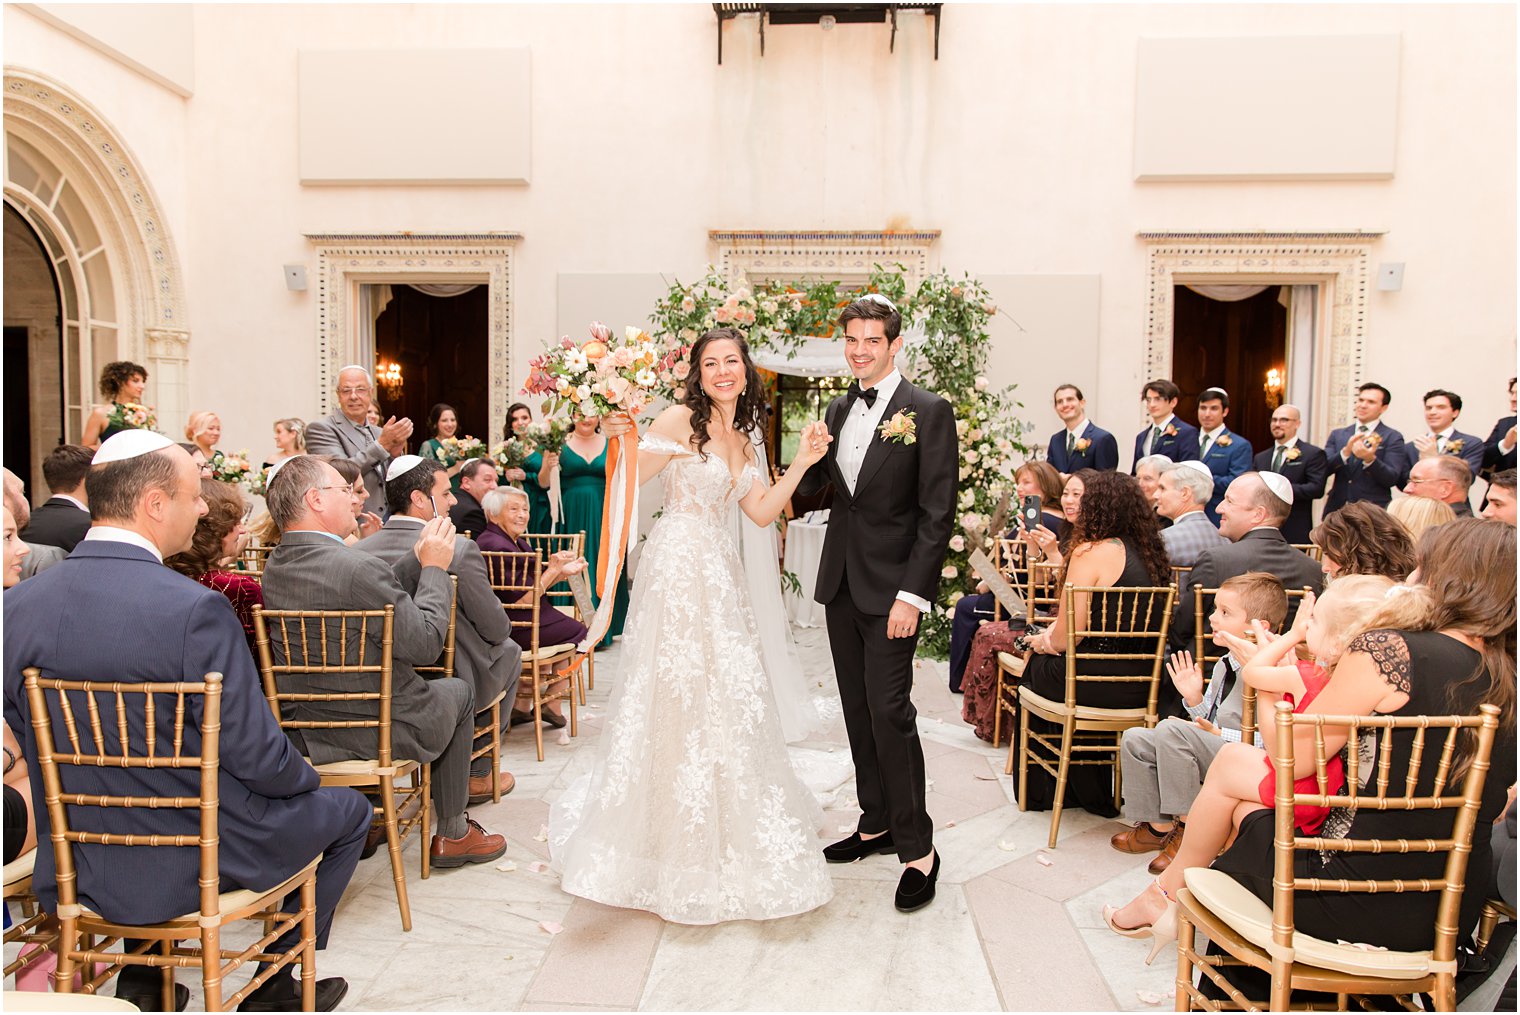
[430,450]
[540,518]
[583,487]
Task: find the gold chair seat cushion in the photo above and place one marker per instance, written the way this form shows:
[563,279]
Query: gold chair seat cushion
[29,1000]
[1251,918]
[547,652]
[360,766]
[20,868]
[1012,663]
[238,899]
[1093,713]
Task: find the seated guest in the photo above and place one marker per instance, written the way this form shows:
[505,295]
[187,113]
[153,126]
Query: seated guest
[1181,493]
[1367,458]
[1302,463]
[85,620]
[20,829]
[1445,478]
[1442,408]
[1163,767]
[1227,454]
[431,720]
[366,522]
[214,546]
[1362,538]
[1167,435]
[64,518]
[1501,497]
[484,652]
[1147,472]
[1081,444]
[476,479]
[199,457]
[1032,479]
[509,510]
[1417,514]
[38,557]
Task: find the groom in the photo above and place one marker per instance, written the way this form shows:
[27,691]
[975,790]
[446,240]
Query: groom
[893,465]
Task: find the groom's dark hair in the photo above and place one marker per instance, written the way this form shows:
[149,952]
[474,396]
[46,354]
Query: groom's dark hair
[873,310]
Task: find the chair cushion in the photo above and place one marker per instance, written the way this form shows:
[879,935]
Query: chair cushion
[230,902]
[1251,918]
[1089,712]
[546,652]
[360,766]
[20,868]
[1012,663]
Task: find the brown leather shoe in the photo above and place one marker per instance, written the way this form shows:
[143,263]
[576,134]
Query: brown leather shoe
[480,786]
[476,846]
[1169,847]
[1140,838]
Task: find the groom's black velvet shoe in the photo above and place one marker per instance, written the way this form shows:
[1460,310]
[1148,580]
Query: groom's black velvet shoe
[916,889]
[855,848]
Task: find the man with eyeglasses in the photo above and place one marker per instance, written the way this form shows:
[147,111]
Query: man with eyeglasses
[1301,463]
[1445,479]
[348,434]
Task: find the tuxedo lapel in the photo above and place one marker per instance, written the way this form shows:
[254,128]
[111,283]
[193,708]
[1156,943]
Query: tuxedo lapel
[838,409]
[877,453]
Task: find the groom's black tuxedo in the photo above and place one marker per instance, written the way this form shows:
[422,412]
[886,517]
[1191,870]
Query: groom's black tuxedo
[887,535]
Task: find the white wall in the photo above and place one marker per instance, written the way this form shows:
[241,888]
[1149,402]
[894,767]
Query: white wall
[1018,143]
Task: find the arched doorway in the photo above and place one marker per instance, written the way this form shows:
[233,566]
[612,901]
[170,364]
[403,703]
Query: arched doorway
[34,353]
[72,183]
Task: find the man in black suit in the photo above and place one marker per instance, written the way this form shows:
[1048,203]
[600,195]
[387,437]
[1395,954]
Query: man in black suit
[1367,458]
[893,466]
[65,517]
[1167,435]
[476,479]
[1302,463]
[1081,444]
[1499,449]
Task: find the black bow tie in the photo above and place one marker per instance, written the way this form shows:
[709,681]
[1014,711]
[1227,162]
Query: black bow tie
[869,394]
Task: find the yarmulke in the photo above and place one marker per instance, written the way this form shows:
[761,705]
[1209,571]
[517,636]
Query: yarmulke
[1279,485]
[401,465]
[876,298]
[130,444]
[1198,467]
[276,467]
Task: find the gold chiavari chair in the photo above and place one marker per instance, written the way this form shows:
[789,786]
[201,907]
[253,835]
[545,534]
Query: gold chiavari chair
[1011,558]
[1042,594]
[111,713]
[1312,549]
[1180,576]
[1493,911]
[547,544]
[252,559]
[1205,652]
[515,578]
[1248,932]
[1090,734]
[323,643]
[33,928]
[487,715]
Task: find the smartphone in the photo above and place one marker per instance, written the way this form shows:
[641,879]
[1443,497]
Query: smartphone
[1029,513]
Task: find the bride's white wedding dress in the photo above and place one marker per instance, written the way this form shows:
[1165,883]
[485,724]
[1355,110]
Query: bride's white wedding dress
[693,810]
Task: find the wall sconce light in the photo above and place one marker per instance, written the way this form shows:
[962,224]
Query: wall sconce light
[1274,388]
[388,376]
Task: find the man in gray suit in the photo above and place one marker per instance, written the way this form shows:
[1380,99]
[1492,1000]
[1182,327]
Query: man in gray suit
[431,720]
[347,434]
[1182,491]
[416,492]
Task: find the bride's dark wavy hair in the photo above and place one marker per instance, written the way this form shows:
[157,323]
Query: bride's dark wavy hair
[749,414]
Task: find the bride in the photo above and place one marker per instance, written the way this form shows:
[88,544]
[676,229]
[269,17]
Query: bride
[693,811]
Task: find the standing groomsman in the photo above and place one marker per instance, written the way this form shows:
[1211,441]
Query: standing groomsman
[1498,450]
[1227,454]
[1082,444]
[1167,435]
[1367,458]
[1442,408]
[1301,464]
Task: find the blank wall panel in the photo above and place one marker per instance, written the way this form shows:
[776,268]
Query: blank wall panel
[415,116]
[1301,108]
[615,300]
[1058,343]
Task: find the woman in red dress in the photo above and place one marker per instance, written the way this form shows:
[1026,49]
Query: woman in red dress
[214,549]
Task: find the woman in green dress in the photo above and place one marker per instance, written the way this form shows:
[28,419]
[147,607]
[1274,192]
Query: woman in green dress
[120,382]
[540,519]
[583,485]
[443,422]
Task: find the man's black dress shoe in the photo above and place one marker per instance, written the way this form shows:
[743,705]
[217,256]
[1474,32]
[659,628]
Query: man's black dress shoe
[916,889]
[151,999]
[855,848]
[283,993]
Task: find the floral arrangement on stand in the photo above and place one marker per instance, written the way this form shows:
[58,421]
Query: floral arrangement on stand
[233,469]
[952,313]
[132,416]
[453,450]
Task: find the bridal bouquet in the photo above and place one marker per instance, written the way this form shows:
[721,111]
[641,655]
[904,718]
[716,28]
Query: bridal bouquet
[131,416]
[548,436]
[453,450]
[230,468]
[513,452]
[599,376]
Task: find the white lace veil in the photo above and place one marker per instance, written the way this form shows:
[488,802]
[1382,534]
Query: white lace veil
[758,548]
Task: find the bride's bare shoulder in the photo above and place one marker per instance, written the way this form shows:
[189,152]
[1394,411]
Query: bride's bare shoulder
[674,423]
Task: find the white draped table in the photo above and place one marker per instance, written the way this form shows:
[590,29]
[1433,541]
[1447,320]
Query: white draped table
[804,547]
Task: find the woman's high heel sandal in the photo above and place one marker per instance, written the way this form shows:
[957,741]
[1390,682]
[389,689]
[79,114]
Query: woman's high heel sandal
[1162,932]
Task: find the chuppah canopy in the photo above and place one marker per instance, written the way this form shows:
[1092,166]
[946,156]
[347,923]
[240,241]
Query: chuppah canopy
[819,357]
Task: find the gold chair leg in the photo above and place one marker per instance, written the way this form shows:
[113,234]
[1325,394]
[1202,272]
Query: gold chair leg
[1023,741]
[1118,775]
[590,672]
[68,943]
[393,847]
[496,753]
[997,708]
[167,995]
[425,773]
[574,678]
[309,942]
[538,714]
[1063,767]
[211,969]
[1185,944]
[1486,924]
[1282,984]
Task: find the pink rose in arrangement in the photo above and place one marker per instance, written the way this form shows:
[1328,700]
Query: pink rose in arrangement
[622,357]
[679,393]
[723,314]
[681,369]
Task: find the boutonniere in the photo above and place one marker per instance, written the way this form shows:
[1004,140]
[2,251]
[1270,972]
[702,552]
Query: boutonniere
[1373,440]
[1082,444]
[1454,447]
[1170,431]
[1224,440]
[1292,454]
[900,428]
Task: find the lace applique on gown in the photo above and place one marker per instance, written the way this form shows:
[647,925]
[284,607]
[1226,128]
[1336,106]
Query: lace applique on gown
[692,811]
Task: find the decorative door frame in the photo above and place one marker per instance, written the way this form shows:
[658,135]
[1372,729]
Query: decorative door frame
[346,261]
[1335,261]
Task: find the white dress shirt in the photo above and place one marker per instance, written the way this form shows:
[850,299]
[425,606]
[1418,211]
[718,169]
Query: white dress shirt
[855,437]
[112,534]
[1206,439]
[72,500]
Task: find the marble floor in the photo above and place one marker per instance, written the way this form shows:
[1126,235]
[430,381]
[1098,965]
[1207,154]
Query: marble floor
[1015,926]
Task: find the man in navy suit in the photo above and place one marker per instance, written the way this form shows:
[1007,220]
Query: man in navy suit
[1082,444]
[1227,454]
[1301,463]
[112,611]
[1499,449]
[1167,435]
[1442,408]
[1367,458]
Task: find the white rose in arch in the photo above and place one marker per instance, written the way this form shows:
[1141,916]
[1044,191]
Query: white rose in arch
[957,543]
[949,571]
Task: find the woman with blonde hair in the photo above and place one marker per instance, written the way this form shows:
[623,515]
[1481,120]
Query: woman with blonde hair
[1420,513]
[289,439]
[204,430]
